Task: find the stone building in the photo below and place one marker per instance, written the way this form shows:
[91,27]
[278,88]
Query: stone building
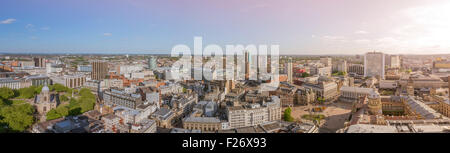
[443,106]
[326,88]
[45,101]
[305,96]
[374,104]
[202,123]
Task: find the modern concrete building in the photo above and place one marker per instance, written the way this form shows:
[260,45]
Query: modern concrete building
[340,66]
[356,68]
[326,61]
[290,71]
[254,114]
[74,81]
[116,97]
[374,65]
[321,71]
[99,70]
[84,68]
[39,62]
[395,61]
[152,62]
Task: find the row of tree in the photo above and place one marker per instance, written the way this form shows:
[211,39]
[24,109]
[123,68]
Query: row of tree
[30,92]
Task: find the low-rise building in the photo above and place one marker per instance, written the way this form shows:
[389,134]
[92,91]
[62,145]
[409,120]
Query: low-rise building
[388,84]
[202,123]
[254,114]
[354,94]
[145,126]
[164,117]
[39,80]
[14,84]
[325,89]
[116,97]
[74,81]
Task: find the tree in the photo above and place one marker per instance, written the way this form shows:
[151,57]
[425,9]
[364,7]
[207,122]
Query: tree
[27,93]
[52,114]
[320,99]
[6,93]
[287,115]
[38,89]
[58,88]
[62,110]
[16,117]
[339,73]
[84,103]
[408,71]
[63,98]
[305,74]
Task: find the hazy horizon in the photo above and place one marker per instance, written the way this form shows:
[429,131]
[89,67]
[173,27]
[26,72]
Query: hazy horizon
[300,27]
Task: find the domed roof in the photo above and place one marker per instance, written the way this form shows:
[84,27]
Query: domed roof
[45,88]
[374,94]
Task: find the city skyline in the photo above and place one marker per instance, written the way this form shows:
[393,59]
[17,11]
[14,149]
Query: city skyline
[299,27]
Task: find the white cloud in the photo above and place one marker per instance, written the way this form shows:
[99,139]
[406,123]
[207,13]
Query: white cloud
[8,21]
[107,34]
[361,32]
[426,29]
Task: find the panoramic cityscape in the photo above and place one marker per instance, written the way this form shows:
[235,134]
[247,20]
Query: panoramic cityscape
[265,67]
[369,93]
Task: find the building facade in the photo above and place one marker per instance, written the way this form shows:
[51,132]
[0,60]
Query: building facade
[254,114]
[202,123]
[75,81]
[374,65]
[115,97]
[99,70]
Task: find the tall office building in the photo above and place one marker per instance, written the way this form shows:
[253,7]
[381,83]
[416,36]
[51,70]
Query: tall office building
[290,69]
[326,61]
[395,61]
[374,65]
[39,62]
[269,63]
[339,66]
[247,65]
[152,63]
[99,70]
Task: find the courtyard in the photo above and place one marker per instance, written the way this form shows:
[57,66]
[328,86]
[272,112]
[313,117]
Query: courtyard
[336,114]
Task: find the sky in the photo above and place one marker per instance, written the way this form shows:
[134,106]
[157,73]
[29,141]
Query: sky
[302,27]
